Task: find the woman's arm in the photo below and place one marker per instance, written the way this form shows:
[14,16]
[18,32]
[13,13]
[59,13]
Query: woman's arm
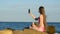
[32,15]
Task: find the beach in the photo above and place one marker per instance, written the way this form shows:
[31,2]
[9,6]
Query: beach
[25,31]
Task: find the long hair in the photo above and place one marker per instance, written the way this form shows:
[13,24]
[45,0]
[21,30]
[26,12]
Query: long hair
[42,11]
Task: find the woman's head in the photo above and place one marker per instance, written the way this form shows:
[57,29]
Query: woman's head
[41,10]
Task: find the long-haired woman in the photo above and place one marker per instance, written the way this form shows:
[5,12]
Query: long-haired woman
[41,20]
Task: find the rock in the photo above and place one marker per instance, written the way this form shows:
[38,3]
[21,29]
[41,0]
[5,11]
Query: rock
[6,32]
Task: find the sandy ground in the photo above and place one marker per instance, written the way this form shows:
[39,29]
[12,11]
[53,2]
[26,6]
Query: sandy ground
[26,31]
[6,32]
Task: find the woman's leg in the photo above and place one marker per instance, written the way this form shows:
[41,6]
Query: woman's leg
[34,26]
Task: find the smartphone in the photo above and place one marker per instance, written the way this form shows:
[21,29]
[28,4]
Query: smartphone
[28,10]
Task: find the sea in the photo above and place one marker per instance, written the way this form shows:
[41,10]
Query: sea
[22,25]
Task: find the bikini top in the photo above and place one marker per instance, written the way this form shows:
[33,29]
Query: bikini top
[38,19]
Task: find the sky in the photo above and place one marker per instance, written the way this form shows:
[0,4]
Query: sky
[17,10]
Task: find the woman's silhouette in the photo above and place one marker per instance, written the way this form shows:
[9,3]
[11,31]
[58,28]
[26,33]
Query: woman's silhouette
[41,20]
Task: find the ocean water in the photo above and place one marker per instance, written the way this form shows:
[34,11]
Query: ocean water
[22,25]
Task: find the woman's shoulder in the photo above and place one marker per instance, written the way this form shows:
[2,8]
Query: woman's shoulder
[41,15]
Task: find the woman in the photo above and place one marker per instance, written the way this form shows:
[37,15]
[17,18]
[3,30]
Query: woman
[41,20]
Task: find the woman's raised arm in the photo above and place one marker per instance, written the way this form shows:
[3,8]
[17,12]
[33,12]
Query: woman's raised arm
[31,14]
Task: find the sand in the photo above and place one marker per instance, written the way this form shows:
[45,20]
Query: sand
[51,30]
[25,31]
[6,32]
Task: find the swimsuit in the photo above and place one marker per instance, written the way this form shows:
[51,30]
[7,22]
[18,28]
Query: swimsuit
[40,28]
[38,20]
